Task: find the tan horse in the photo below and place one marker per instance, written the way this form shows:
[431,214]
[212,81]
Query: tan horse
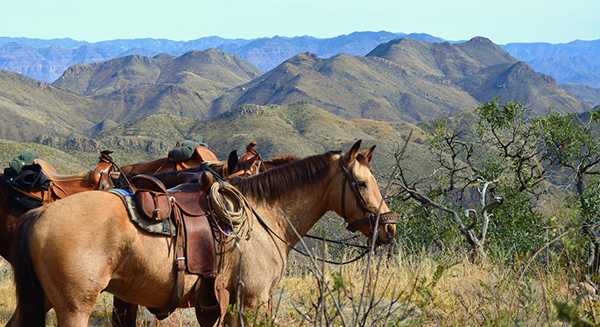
[68,268]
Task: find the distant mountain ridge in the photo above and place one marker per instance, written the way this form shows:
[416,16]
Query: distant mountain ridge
[574,62]
[46,60]
[133,87]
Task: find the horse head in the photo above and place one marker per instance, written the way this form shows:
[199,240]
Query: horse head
[361,203]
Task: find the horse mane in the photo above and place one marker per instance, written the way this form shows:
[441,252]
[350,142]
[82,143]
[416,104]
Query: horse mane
[271,184]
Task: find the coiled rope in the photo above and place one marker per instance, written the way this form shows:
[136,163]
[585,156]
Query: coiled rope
[231,207]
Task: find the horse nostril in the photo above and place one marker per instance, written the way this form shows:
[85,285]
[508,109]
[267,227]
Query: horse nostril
[390,230]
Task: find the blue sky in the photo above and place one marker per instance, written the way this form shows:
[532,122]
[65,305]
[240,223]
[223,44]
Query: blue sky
[501,21]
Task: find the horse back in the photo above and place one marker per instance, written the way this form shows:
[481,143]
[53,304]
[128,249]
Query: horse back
[150,167]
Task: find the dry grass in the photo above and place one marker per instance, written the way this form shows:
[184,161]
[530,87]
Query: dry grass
[450,292]
[403,291]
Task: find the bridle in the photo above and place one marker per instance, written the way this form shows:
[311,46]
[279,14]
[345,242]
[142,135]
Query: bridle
[371,217]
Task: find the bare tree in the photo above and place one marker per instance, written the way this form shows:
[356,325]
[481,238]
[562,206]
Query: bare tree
[494,148]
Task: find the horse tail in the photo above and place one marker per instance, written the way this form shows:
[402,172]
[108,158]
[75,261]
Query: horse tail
[30,295]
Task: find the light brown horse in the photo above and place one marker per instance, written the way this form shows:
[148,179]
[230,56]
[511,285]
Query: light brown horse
[68,268]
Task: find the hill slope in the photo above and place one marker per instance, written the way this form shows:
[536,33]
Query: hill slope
[587,94]
[298,129]
[405,80]
[483,70]
[29,108]
[134,87]
[301,129]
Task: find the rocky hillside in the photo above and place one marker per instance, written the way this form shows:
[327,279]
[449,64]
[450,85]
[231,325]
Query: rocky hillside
[405,80]
[133,87]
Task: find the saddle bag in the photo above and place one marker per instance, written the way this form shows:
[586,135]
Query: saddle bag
[152,198]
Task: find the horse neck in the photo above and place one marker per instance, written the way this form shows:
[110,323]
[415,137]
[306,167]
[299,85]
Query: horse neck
[303,205]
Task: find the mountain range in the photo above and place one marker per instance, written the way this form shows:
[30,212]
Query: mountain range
[574,62]
[47,59]
[142,105]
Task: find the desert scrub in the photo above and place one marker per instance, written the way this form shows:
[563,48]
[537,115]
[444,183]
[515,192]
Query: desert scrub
[416,289]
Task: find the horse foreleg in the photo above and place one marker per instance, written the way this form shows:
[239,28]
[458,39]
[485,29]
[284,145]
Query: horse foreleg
[124,313]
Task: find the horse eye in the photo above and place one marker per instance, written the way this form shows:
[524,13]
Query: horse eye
[362,184]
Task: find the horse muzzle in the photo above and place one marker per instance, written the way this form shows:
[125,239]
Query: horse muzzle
[386,228]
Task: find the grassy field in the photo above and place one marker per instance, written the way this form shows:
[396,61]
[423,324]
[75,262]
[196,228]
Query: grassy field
[398,290]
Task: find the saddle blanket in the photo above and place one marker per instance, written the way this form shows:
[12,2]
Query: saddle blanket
[155,227]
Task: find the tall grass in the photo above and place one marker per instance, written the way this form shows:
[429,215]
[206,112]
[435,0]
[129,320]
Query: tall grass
[399,290]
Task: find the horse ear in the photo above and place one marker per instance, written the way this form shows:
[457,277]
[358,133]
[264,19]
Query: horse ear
[352,153]
[368,153]
[232,162]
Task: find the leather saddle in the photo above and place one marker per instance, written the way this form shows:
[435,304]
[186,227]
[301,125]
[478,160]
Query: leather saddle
[58,186]
[186,205]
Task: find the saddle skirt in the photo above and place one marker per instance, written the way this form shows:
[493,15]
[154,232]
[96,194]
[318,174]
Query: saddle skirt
[187,206]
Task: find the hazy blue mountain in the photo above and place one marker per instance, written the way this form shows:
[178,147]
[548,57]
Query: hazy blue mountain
[574,62]
[584,93]
[578,70]
[46,60]
[66,43]
[48,63]
[577,48]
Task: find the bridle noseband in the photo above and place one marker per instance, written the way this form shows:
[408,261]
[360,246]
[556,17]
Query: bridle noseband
[370,216]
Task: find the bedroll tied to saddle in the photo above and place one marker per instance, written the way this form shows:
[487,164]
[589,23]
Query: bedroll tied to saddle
[185,150]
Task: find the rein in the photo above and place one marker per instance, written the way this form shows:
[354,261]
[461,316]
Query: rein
[369,218]
[366,249]
[108,158]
